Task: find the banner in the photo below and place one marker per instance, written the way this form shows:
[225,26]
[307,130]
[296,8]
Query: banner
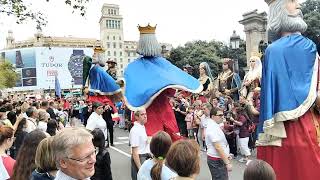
[38,66]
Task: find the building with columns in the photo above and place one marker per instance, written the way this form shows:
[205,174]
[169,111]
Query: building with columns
[111,40]
[255,25]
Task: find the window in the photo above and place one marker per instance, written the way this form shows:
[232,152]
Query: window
[128,54]
[120,45]
[108,11]
[115,53]
[120,59]
[120,53]
[115,12]
[114,37]
[127,47]
[109,54]
[107,37]
[112,24]
[128,60]
[120,38]
[121,66]
[121,72]
[114,45]
[108,45]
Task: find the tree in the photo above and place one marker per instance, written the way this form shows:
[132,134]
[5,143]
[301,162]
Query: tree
[194,53]
[22,11]
[311,11]
[212,52]
[8,75]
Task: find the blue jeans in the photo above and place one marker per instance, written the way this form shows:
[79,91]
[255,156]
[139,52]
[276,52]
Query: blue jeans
[217,169]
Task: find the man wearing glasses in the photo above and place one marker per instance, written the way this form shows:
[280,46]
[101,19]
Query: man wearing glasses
[75,154]
[218,157]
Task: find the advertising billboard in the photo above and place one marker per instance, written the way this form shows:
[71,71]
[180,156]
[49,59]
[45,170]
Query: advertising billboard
[38,66]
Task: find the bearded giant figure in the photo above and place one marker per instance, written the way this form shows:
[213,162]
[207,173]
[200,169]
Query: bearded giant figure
[289,133]
[149,82]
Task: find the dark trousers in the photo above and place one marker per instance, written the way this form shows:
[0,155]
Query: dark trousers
[217,169]
[134,169]
[232,141]
[110,130]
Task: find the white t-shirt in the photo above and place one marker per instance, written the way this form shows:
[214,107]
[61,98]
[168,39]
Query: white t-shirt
[214,134]
[204,121]
[96,121]
[31,125]
[138,138]
[42,126]
[145,170]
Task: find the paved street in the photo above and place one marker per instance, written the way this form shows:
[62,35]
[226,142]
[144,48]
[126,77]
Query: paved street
[120,160]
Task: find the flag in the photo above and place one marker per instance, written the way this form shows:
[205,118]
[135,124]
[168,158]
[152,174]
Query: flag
[57,87]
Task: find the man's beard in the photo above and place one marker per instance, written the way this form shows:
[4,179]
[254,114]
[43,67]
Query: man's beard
[293,23]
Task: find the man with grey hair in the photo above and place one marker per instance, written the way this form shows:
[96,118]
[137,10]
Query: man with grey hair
[75,154]
[32,119]
[150,80]
[289,133]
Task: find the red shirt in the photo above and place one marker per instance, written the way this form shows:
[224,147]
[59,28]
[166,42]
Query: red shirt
[8,163]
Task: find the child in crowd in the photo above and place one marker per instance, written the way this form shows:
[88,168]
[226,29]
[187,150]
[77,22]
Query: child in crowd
[190,121]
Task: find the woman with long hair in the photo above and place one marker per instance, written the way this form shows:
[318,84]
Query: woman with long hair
[154,169]
[252,79]
[20,134]
[206,79]
[46,168]
[6,141]
[103,162]
[25,162]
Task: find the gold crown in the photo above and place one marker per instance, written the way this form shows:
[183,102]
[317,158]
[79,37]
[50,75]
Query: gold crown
[98,50]
[256,54]
[147,29]
[269,1]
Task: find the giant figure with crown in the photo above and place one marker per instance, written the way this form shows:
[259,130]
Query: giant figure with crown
[100,86]
[289,133]
[150,80]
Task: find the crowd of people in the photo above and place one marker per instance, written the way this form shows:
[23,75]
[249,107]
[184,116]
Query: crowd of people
[39,141]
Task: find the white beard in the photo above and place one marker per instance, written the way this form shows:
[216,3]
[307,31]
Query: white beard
[293,23]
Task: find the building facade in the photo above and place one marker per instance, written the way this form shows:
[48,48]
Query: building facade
[111,40]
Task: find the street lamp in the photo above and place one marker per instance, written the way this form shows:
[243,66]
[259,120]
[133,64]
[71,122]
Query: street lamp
[234,45]
[234,40]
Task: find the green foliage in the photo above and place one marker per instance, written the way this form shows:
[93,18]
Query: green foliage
[212,52]
[311,11]
[8,76]
[22,11]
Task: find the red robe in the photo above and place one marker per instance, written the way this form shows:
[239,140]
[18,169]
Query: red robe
[299,156]
[160,116]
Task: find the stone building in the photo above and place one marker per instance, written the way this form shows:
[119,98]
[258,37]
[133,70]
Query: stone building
[255,25]
[111,39]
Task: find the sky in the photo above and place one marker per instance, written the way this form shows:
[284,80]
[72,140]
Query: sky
[178,21]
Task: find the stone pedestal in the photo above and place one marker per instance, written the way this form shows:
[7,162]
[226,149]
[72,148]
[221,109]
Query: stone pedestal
[255,25]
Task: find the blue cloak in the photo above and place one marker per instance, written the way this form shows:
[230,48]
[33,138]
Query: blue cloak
[145,78]
[101,82]
[289,79]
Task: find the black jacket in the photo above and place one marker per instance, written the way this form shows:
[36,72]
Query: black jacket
[102,166]
[107,117]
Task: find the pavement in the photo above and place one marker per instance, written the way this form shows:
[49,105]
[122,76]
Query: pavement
[120,160]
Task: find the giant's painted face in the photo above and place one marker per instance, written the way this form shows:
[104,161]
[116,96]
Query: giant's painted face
[293,7]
